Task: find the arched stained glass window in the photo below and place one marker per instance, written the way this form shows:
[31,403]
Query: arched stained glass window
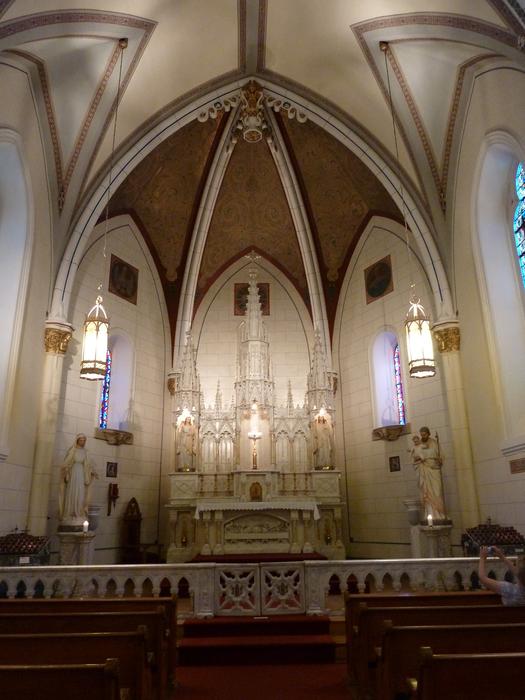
[519,220]
[400,398]
[104,400]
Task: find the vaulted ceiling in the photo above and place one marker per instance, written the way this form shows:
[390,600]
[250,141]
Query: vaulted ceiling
[337,56]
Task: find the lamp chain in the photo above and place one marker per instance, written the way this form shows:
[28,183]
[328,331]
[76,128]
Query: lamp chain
[123,43]
[385,48]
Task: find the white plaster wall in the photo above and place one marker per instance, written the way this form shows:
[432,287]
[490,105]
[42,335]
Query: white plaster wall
[139,465]
[501,494]
[378,520]
[289,326]
[17,112]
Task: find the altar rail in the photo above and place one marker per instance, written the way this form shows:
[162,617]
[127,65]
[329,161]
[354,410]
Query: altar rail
[245,589]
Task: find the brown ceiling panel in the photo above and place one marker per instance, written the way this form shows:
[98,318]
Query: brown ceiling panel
[251,211]
[341,193]
[163,188]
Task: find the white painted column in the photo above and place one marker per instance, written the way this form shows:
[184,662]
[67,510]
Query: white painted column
[56,338]
[447,336]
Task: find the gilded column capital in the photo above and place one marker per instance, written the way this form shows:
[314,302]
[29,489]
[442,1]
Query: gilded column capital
[448,339]
[57,337]
[171,385]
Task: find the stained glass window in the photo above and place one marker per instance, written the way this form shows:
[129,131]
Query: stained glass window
[104,400]
[400,398]
[519,220]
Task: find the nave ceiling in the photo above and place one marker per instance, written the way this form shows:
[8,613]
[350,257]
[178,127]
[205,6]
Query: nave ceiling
[326,54]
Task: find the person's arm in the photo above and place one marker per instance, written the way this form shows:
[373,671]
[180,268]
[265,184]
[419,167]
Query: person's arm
[510,564]
[489,583]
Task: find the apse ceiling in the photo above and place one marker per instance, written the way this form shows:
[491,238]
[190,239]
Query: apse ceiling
[337,57]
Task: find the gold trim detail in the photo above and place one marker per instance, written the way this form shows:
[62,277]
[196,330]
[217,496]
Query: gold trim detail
[448,339]
[56,340]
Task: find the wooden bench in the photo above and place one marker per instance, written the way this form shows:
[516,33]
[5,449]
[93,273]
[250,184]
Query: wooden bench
[43,605]
[400,649]
[354,601]
[112,621]
[86,648]
[78,681]
[371,623]
[469,676]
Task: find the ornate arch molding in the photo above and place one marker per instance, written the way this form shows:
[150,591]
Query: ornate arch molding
[343,131]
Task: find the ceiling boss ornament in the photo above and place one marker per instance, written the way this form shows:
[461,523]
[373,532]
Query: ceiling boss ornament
[252,119]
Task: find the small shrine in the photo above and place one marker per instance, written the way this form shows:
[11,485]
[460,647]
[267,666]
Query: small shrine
[254,477]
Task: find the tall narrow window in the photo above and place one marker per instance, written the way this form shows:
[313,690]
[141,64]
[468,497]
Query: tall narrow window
[104,400]
[519,220]
[398,382]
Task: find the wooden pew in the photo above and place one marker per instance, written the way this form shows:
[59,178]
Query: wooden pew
[113,621]
[354,602]
[401,646]
[371,626]
[44,605]
[469,676]
[86,648]
[79,681]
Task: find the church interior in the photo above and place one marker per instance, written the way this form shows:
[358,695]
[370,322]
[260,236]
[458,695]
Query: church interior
[253,309]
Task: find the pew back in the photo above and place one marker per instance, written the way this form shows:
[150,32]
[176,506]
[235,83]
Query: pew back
[479,676]
[79,681]
[400,649]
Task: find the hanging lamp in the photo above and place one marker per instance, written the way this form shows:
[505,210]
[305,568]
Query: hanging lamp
[93,364]
[420,348]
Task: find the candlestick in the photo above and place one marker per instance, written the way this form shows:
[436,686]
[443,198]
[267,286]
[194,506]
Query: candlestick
[85,526]
[430,520]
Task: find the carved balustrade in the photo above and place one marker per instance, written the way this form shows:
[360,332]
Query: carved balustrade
[245,589]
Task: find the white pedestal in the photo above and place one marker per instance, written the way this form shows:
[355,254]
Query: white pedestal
[436,540]
[76,548]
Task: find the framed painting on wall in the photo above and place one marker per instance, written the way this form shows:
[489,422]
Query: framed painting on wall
[378,279]
[123,279]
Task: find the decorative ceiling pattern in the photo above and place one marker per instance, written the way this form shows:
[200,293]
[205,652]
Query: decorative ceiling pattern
[252,211]
[163,188]
[341,191]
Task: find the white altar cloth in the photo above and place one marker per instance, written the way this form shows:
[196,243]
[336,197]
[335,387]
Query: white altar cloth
[212,505]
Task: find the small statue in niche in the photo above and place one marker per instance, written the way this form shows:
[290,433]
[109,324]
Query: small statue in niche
[323,440]
[186,443]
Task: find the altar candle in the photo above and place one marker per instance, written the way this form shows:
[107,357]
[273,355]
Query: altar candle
[85,526]
[429,520]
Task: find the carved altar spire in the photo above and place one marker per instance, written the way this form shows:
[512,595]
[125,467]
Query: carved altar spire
[254,376]
[187,394]
[218,398]
[289,402]
[319,392]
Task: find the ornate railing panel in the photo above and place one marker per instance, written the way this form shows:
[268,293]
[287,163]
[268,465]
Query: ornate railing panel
[237,590]
[282,589]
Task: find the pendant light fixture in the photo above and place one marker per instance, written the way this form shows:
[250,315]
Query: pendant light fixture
[93,364]
[420,349]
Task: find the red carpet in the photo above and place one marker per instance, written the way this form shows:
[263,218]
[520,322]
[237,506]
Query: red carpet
[291,682]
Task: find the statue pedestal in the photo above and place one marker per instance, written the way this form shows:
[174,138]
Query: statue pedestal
[436,540]
[76,548]
[412,506]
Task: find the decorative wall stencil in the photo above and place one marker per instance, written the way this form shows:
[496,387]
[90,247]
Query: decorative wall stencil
[378,279]
[240,296]
[162,190]
[123,279]
[251,212]
[340,189]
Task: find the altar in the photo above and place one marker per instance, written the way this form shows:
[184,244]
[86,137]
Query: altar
[254,478]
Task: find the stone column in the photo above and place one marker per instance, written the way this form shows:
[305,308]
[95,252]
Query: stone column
[218,548]
[447,336]
[57,335]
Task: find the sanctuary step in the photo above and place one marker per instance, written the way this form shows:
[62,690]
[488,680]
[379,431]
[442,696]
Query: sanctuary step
[282,639]
[256,558]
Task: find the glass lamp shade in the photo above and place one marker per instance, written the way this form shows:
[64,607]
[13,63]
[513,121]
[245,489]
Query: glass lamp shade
[421,362]
[95,344]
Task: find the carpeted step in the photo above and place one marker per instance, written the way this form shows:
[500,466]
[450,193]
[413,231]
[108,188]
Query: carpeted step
[268,649]
[256,626]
